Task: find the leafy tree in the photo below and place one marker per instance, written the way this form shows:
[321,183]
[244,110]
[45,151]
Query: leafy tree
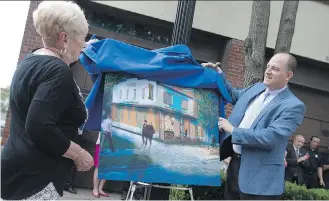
[5,92]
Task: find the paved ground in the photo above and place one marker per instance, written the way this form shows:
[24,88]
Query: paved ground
[85,194]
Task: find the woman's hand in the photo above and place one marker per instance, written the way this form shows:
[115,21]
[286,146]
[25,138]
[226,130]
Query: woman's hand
[84,161]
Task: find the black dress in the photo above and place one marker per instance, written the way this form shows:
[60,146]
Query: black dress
[46,112]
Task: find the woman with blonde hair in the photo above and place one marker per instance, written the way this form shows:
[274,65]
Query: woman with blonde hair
[46,109]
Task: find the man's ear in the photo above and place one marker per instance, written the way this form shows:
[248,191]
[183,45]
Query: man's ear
[290,75]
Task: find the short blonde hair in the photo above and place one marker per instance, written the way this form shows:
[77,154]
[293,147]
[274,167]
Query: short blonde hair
[54,17]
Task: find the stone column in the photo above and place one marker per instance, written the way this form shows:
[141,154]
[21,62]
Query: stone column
[183,22]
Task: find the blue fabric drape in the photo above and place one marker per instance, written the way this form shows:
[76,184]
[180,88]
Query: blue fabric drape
[173,65]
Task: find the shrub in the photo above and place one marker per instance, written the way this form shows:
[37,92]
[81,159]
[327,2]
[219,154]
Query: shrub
[292,192]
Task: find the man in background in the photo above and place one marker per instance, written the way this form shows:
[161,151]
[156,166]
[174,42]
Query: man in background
[325,169]
[313,166]
[296,157]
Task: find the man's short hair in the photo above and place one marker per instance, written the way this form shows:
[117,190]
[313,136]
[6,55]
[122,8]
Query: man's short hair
[291,63]
[311,139]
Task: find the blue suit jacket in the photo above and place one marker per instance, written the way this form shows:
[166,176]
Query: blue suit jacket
[263,145]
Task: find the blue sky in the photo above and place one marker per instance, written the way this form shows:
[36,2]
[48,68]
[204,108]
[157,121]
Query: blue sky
[13,16]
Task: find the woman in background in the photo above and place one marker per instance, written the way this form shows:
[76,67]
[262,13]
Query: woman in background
[98,184]
[46,109]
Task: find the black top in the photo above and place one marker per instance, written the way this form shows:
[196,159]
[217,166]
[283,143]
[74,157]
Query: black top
[46,111]
[314,162]
[325,161]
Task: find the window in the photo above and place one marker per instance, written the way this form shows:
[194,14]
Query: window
[134,97]
[151,87]
[167,98]
[127,93]
[120,94]
[143,93]
[184,104]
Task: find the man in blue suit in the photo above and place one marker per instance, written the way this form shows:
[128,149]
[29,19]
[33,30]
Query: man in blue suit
[264,116]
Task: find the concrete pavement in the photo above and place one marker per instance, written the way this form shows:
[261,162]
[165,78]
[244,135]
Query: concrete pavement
[85,194]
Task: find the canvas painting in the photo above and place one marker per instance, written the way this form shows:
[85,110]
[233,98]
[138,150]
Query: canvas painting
[158,133]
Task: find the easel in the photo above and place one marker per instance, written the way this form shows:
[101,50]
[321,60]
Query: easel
[147,192]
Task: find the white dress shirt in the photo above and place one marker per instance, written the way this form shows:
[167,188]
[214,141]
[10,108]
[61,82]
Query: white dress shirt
[254,109]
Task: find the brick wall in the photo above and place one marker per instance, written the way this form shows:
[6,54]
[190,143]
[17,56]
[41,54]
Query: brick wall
[31,40]
[235,67]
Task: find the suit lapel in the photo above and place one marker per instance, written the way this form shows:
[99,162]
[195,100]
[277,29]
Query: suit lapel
[270,105]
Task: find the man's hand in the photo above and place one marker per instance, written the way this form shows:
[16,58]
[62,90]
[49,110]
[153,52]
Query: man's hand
[90,42]
[213,66]
[325,167]
[303,158]
[322,183]
[224,124]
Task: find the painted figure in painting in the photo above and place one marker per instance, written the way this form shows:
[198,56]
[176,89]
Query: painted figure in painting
[107,131]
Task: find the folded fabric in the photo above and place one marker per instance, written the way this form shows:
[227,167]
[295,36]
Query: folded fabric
[173,65]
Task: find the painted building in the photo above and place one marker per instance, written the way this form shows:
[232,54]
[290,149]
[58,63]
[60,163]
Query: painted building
[171,110]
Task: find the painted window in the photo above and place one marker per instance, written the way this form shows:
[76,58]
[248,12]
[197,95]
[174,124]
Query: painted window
[134,97]
[167,98]
[143,93]
[120,94]
[151,87]
[127,93]
[184,104]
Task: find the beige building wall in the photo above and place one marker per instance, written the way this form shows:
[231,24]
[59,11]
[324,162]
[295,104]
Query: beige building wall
[231,19]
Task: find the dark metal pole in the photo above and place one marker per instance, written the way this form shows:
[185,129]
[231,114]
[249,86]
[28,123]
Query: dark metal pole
[183,22]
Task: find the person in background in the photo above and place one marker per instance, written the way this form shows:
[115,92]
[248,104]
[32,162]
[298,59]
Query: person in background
[98,183]
[325,169]
[296,157]
[264,116]
[46,109]
[313,166]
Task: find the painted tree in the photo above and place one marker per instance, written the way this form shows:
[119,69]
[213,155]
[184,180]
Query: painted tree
[207,110]
[255,43]
[111,79]
[287,26]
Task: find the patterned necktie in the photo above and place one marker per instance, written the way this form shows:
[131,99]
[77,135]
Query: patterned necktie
[297,153]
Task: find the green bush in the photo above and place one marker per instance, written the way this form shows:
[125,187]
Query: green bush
[295,192]
[292,192]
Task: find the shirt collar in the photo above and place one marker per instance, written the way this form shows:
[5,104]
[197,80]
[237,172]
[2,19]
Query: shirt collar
[275,92]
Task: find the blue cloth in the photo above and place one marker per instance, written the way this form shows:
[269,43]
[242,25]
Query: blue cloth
[263,145]
[173,65]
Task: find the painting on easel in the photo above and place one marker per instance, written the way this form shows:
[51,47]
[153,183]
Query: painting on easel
[154,132]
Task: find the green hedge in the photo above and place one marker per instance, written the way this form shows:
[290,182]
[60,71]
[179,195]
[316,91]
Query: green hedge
[292,192]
